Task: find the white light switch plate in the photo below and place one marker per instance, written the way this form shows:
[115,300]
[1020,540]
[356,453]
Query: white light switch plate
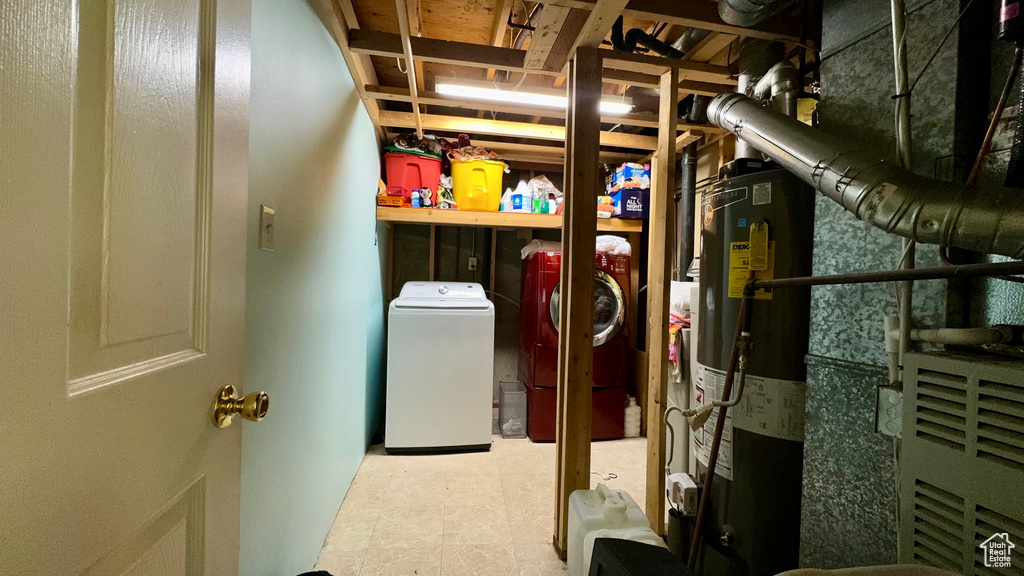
[266,228]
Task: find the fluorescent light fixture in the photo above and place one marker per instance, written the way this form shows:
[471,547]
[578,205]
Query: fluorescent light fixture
[526,98]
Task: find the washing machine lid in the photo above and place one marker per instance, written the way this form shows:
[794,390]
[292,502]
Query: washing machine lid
[448,295]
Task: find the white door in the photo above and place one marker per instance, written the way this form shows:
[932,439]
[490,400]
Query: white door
[123,151]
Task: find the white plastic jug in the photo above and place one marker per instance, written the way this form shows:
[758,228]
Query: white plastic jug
[603,513]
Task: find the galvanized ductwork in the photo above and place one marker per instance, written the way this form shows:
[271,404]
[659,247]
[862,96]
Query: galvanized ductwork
[749,12]
[895,200]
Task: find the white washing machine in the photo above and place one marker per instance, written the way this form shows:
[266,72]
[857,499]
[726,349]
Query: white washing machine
[440,368]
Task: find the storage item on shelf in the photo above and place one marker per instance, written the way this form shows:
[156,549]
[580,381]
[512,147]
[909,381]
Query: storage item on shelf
[477,183]
[546,197]
[512,409]
[522,198]
[605,206]
[407,171]
[631,203]
[390,201]
[603,513]
[631,175]
[440,368]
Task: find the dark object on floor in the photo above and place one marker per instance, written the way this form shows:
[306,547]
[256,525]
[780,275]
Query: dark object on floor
[317,573]
[614,557]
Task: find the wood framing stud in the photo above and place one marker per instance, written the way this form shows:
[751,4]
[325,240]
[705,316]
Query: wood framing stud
[410,64]
[576,338]
[548,24]
[513,129]
[659,274]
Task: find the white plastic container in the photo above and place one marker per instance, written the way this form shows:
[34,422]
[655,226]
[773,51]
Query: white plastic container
[603,513]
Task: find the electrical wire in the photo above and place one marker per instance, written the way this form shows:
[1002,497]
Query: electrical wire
[398,62]
[941,44]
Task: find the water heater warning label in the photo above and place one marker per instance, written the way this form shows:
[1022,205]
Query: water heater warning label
[770,407]
[739,270]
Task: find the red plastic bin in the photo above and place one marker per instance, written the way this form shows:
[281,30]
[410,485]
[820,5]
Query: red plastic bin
[408,172]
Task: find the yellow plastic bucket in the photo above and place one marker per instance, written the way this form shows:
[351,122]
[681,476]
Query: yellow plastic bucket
[476,184]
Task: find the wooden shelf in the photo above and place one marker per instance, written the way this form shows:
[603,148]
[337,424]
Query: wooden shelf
[496,219]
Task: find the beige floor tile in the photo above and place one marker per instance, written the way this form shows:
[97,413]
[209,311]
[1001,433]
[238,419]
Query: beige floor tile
[377,466]
[427,465]
[402,528]
[474,487]
[414,493]
[402,561]
[476,522]
[340,562]
[478,559]
[535,552]
[352,528]
[543,569]
[471,463]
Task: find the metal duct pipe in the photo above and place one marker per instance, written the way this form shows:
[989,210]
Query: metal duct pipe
[687,207]
[782,85]
[749,12]
[895,200]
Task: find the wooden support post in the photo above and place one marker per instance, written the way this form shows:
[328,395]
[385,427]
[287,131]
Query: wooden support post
[634,328]
[659,274]
[576,333]
[494,261]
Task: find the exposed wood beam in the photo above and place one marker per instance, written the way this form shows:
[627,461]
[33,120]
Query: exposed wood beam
[410,64]
[499,27]
[703,14]
[712,44]
[511,149]
[651,81]
[358,66]
[661,226]
[564,44]
[598,24]
[478,55]
[576,321]
[657,65]
[548,24]
[511,129]
[686,138]
[416,29]
[435,99]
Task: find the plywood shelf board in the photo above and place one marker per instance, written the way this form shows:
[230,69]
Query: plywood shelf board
[495,219]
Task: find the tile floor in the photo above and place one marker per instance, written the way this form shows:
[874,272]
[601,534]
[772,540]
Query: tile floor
[463,514]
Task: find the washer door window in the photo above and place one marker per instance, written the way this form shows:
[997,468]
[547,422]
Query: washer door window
[609,307]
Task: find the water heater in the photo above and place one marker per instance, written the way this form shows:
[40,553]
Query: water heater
[753,525]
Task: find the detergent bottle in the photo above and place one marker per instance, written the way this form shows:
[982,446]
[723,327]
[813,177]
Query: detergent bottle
[521,198]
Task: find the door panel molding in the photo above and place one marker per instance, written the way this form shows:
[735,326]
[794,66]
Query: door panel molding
[171,543]
[142,167]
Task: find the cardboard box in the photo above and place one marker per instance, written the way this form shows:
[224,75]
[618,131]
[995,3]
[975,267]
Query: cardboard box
[632,176]
[389,201]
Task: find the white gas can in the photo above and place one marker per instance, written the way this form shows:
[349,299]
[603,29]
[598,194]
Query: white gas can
[603,513]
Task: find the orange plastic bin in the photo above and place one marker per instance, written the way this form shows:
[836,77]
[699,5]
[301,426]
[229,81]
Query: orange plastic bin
[408,172]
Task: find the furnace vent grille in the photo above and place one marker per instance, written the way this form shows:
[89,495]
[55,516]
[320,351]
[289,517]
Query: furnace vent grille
[962,460]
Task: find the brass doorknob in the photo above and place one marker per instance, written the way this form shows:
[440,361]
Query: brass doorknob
[252,406]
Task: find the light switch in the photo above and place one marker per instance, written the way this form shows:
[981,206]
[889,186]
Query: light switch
[266,228]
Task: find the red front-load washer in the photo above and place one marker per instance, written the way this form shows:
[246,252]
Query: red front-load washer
[538,353]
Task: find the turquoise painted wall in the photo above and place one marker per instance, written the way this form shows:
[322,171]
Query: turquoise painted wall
[314,309]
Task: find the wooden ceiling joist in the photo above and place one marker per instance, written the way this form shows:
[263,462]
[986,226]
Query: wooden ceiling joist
[499,27]
[435,99]
[712,44]
[510,129]
[477,55]
[598,23]
[542,153]
[548,24]
[340,20]
[410,65]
